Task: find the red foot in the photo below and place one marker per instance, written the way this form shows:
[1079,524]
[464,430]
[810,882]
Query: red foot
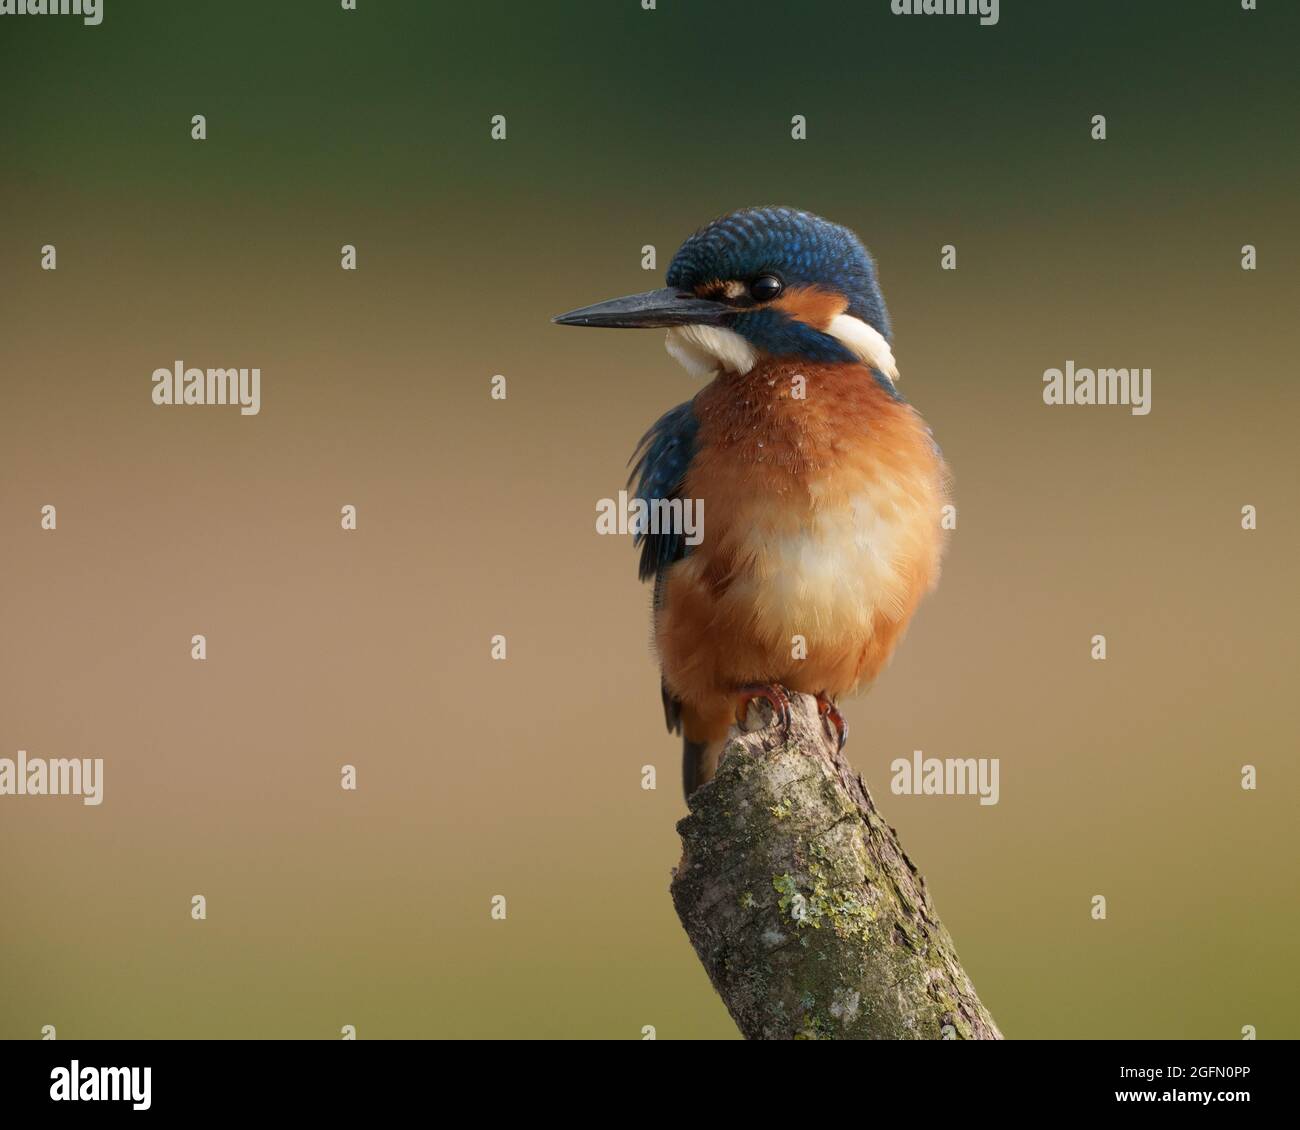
[838,728]
[771,693]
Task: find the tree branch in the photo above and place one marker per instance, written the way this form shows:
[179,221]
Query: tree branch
[809,917]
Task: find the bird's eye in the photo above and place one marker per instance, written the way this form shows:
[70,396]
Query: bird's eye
[765,288]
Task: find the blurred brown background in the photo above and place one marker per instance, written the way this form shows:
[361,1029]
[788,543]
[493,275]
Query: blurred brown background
[476,516]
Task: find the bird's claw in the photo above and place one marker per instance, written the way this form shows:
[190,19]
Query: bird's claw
[773,694]
[833,719]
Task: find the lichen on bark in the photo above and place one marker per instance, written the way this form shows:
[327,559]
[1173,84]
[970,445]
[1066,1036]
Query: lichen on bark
[807,914]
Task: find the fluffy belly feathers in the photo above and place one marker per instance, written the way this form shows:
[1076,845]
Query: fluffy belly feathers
[821,534]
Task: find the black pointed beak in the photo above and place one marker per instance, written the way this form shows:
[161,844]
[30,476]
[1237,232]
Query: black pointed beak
[667,307]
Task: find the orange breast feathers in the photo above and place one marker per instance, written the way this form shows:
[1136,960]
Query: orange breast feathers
[823,500]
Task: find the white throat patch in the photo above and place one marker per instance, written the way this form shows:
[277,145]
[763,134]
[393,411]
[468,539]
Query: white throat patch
[866,342]
[702,350]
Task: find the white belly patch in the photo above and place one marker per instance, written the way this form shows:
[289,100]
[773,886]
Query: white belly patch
[834,575]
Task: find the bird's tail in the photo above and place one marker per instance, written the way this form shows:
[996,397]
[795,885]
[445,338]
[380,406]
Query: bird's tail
[692,754]
[699,763]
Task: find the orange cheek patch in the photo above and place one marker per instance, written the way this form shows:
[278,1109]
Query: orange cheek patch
[811,305]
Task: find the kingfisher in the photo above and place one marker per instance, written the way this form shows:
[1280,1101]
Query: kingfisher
[821,489]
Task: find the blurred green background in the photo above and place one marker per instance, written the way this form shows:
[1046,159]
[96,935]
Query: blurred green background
[522,778]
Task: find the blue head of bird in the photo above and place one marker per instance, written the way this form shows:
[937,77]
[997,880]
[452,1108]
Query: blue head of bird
[762,282]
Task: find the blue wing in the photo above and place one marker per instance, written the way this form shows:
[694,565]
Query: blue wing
[658,468]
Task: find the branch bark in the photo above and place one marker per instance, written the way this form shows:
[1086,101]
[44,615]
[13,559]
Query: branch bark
[807,914]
